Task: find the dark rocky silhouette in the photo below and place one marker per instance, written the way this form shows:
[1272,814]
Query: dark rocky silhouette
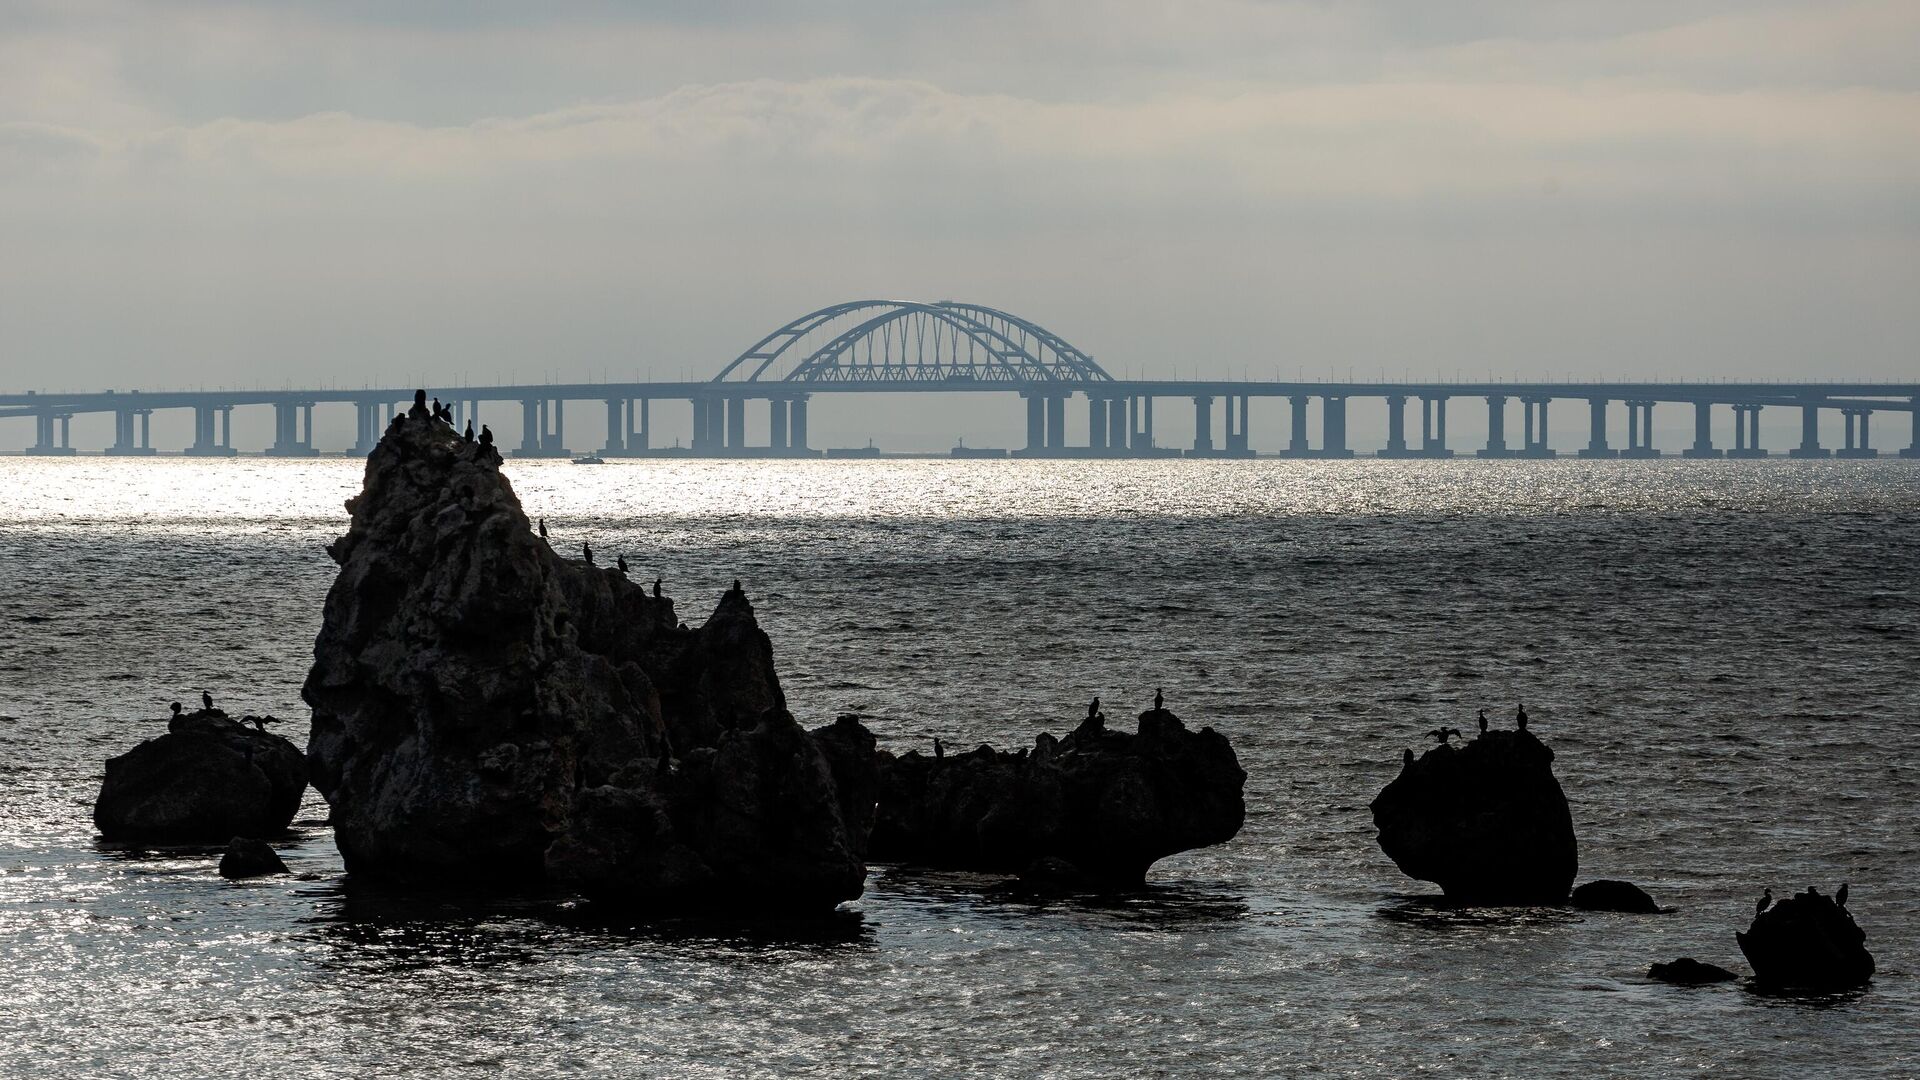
[207,780]
[1107,804]
[1609,895]
[1687,971]
[1808,942]
[250,858]
[485,711]
[1485,820]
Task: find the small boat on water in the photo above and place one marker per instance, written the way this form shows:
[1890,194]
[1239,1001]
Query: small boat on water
[590,459]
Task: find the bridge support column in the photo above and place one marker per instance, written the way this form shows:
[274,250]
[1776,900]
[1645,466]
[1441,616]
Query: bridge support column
[1746,432]
[1036,424]
[1702,432]
[1809,434]
[1297,427]
[124,444]
[699,425]
[50,432]
[1096,424]
[1913,418]
[366,426]
[1056,424]
[1117,425]
[1146,424]
[1639,431]
[1333,428]
[1396,427]
[1597,430]
[1433,426]
[1862,446]
[532,419]
[777,426]
[1496,428]
[616,426]
[736,425]
[797,426]
[1534,411]
[206,440]
[1203,425]
[286,430]
[639,426]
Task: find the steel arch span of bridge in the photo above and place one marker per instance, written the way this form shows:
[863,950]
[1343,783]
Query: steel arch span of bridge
[908,341]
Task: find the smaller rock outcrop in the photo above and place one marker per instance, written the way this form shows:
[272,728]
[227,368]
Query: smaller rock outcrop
[1606,894]
[1687,971]
[1098,807]
[1486,821]
[1807,942]
[247,858]
[206,780]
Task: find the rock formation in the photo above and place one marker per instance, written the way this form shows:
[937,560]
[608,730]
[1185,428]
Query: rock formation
[247,858]
[1807,942]
[1609,895]
[1100,806]
[205,781]
[486,711]
[1687,971]
[1486,821]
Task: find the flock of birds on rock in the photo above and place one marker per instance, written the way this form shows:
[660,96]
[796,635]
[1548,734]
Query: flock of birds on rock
[206,704]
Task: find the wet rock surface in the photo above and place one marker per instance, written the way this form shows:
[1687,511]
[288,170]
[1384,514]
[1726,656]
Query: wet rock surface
[1096,808]
[247,858]
[1687,971]
[208,779]
[486,711]
[1606,894]
[1484,820]
[1807,942]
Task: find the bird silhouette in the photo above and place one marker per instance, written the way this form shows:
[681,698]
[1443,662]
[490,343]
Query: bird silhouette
[176,708]
[1093,709]
[486,436]
[587,550]
[1443,734]
[656,588]
[1841,896]
[736,585]
[469,433]
[543,528]
[1483,721]
[621,562]
[206,699]
[1520,717]
[1765,902]
[1406,758]
[1159,700]
[939,751]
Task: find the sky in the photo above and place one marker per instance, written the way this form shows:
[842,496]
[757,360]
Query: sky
[286,194]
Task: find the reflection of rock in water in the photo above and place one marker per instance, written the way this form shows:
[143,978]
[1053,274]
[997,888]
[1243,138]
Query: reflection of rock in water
[1102,805]
[1486,821]
[1809,942]
[206,781]
[487,711]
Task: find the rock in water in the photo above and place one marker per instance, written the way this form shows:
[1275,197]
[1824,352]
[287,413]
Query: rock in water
[485,711]
[1807,942]
[1486,821]
[205,781]
[250,858]
[1105,804]
[1609,895]
[1687,971]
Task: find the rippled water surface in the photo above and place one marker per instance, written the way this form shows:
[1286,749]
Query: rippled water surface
[1725,656]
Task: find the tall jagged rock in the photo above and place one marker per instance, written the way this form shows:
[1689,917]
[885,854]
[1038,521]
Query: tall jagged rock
[205,781]
[486,710]
[1107,803]
[1486,821]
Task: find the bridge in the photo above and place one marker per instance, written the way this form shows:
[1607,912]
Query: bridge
[949,347]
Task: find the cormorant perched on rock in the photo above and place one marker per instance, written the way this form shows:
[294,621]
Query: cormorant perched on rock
[1093,709]
[621,562]
[587,550]
[1520,717]
[1406,758]
[206,699]
[419,410]
[468,436]
[938,750]
[1159,699]
[1840,897]
[656,588]
[486,436]
[736,586]
[1765,902]
[176,708]
[1443,734]
[543,528]
[1483,721]
[440,412]
[260,722]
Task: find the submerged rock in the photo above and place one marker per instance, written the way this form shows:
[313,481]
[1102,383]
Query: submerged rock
[250,858]
[1606,894]
[1687,971]
[205,781]
[1486,821]
[487,711]
[1808,942]
[1096,807]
